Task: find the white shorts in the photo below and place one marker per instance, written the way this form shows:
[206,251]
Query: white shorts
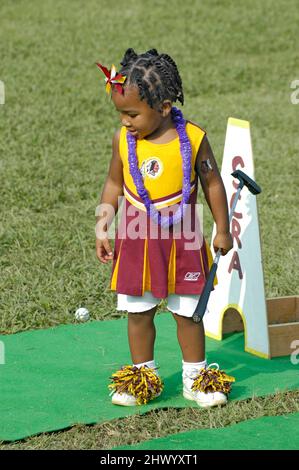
[181,304]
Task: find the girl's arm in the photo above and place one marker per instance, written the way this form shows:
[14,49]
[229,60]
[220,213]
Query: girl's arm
[214,191]
[113,189]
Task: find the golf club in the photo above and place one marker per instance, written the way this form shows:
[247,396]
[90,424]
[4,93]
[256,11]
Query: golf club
[201,307]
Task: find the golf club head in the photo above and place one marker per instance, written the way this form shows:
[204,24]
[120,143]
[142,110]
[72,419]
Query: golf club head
[243,178]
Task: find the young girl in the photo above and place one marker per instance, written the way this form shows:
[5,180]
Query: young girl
[156,162]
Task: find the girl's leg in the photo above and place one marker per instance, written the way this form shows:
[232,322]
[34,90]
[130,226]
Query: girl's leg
[191,337]
[142,335]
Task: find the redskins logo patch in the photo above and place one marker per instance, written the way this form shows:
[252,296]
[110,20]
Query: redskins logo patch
[152,168]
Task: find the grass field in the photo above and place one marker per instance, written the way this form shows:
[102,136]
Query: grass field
[235,58]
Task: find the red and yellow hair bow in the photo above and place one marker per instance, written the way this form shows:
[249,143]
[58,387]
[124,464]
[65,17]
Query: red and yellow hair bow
[113,78]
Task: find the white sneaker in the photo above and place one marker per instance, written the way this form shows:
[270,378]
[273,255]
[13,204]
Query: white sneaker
[203,399]
[126,399]
[123,399]
[206,400]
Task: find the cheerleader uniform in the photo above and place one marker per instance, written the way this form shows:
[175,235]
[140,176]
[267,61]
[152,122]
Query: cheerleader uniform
[151,263]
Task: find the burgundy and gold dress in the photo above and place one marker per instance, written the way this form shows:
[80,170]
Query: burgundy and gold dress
[147,257]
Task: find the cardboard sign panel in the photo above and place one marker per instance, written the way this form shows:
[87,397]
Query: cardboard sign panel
[240,286]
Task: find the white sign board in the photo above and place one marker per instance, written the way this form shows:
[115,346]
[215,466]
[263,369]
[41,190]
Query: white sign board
[240,272]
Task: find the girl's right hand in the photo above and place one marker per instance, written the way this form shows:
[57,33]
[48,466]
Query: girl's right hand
[103,250]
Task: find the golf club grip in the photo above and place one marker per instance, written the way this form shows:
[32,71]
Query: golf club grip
[204,298]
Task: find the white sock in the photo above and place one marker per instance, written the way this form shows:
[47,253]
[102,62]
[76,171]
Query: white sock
[190,368]
[150,364]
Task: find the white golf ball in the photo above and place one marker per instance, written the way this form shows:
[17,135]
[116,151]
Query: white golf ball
[82,314]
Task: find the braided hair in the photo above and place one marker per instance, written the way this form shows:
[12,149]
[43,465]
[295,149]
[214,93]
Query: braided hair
[156,76]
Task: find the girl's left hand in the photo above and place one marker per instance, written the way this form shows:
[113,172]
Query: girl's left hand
[224,241]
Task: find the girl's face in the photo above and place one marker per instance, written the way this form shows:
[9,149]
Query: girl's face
[136,115]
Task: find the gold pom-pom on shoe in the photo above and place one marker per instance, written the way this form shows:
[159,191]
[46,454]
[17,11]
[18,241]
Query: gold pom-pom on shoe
[211,380]
[141,382]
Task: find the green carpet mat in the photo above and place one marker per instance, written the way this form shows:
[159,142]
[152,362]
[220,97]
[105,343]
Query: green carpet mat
[58,377]
[266,433]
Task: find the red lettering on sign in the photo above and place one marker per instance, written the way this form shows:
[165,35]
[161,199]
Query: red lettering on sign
[236,227]
[235,162]
[235,264]
[238,215]
[236,230]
